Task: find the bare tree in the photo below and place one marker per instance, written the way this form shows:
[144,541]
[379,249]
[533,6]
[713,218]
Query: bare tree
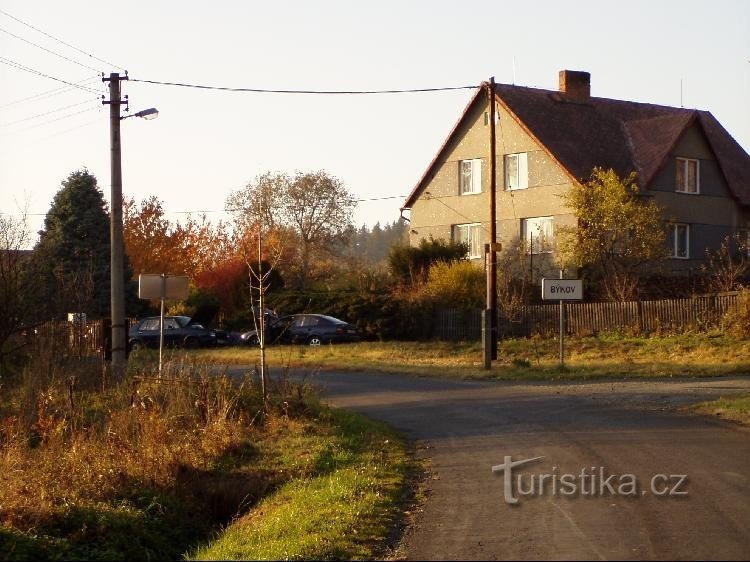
[258,211]
[14,239]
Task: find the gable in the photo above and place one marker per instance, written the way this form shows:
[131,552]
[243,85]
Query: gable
[581,134]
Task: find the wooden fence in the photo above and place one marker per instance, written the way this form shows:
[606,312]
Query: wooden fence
[642,317]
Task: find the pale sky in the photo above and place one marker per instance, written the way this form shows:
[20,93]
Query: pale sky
[206,144]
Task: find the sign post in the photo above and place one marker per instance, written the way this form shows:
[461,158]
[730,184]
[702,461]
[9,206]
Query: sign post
[162,287]
[562,290]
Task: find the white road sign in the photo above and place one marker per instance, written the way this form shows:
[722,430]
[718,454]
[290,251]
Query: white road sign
[562,289]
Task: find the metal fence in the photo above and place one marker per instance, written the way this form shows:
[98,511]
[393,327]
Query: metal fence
[68,339]
[642,317]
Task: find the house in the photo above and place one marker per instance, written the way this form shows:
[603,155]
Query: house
[546,141]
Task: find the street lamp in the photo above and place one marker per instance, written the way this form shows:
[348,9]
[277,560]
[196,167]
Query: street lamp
[148,114]
[117,251]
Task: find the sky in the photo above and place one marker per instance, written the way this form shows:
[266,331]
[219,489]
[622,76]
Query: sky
[206,144]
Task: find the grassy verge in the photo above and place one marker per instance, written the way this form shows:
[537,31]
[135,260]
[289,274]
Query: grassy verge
[736,408]
[349,483]
[688,355]
[151,468]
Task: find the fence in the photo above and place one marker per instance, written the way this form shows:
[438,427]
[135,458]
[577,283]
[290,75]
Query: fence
[674,315]
[68,339]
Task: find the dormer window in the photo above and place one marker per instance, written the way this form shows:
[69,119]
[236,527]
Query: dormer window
[687,175]
[470,176]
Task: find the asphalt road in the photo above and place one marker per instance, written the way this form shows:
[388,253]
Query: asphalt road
[632,432]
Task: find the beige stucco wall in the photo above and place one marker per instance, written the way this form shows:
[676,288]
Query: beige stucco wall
[435,214]
[712,214]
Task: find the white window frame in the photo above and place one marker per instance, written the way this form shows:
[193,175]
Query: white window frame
[684,163]
[472,237]
[533,245]
[519,180]
[473,184]
[675,227]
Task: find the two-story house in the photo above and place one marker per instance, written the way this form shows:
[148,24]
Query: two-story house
[546,141]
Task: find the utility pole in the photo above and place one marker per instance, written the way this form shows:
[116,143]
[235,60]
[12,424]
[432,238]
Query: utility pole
[492,262]
[117,267]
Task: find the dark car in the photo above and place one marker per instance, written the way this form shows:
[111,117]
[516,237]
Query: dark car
[311,329]
[179,331]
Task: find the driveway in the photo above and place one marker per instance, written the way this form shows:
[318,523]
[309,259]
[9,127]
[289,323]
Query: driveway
[630,435]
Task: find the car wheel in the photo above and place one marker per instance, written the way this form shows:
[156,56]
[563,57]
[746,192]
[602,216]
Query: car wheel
[314,340]
[136,345]
[192,343]
[253,340]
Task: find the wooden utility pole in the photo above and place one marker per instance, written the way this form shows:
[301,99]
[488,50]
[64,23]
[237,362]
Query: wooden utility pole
[492,261]
[117,267]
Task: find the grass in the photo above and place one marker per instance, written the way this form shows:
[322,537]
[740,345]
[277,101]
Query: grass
[613,355]
[736,408]
[350,486]
[150,469]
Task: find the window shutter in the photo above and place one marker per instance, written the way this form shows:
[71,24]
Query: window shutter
[476,176]
[523,170]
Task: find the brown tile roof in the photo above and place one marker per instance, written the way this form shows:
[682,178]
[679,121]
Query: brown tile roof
[622,135]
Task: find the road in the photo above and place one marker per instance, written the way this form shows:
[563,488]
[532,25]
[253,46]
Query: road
[630,434]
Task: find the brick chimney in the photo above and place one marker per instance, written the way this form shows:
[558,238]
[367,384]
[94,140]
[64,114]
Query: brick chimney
[575,84]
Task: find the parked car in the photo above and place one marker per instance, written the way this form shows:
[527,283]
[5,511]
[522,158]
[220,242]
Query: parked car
[179,331]
[311,329]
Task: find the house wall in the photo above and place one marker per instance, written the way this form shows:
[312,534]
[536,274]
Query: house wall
[436,213]
[712,214]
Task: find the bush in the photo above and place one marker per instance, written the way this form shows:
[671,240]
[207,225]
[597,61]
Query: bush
[411,264]
[455,285]
[737,319]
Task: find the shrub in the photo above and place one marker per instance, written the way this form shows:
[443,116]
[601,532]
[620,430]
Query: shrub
[737,319]
[411,264]
[455,285]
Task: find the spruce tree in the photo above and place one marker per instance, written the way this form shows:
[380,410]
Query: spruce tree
[72,257]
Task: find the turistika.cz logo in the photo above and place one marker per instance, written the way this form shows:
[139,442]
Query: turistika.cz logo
[590,481]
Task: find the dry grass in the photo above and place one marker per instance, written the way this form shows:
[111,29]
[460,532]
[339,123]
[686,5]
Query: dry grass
[152,467]
[521,359]
[79,462]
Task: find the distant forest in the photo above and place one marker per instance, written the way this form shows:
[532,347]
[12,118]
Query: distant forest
[371,245]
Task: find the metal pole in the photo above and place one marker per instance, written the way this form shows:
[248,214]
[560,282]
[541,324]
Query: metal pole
[562,329]
[161,320]
[117,273]
[492,300]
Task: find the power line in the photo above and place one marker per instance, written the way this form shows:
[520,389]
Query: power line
[49,93]
[87,124]
[49,50]
[230,210]
[59,40]
[314,92]
[20,66]
[68,116]
[45,113]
